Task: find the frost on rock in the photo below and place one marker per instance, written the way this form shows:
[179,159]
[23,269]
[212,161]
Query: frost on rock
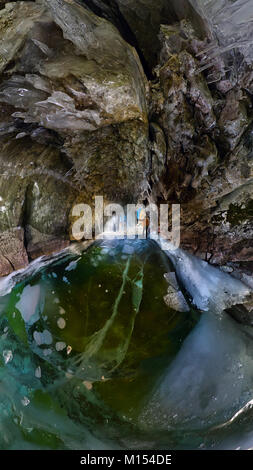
[231,25]
[209,287]
[95,65]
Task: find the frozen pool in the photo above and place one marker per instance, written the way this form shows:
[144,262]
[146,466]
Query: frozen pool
[92,357]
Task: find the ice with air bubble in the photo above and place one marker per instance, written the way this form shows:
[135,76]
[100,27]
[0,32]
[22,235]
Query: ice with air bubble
[105,344]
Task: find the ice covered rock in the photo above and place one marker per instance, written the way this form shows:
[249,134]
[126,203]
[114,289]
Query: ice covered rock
[208,167]
[175,298]
[209,287]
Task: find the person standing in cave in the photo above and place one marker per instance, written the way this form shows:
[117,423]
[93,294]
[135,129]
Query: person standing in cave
[114,222]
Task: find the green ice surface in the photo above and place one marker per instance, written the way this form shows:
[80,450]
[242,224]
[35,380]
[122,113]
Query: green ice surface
[105,309]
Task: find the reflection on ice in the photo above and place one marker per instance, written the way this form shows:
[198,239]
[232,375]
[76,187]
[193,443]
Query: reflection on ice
[209,380]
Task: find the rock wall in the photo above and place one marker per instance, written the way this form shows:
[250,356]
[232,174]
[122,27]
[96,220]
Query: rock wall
[73,119]
[206,118]
[131,100]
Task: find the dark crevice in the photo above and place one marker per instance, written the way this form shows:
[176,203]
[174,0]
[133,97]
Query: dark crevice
[110,11]
[39,134]
[25,216]
[9,261]
[67,161]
